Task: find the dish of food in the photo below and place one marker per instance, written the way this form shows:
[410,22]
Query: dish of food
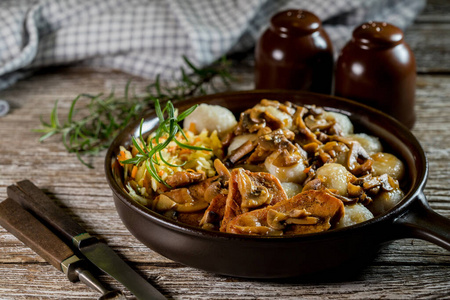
[277,256]
[279,169]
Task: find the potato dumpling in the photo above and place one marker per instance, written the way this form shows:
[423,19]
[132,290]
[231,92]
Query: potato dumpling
[385,200]
[334,176]
[354,214]
[341,119]
[291,188]
[386,163]
[370,143]
[293,173]
[211,117]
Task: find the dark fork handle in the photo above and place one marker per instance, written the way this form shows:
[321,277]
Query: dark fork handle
[36,201]
[34,234]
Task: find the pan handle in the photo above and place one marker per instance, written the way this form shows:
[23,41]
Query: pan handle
[424,223]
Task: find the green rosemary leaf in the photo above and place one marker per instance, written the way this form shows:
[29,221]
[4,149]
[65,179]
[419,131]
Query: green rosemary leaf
[171,114]
[136,145]
[54,121]
[185,77]
[194,68]
[182,133]
[152,171]
[132,161]
[47,135]
[144,144]
[186,113]
[83,161]
[159,112]
[71,110]
[191,147]
[127,86]
[157,85]
[169,164]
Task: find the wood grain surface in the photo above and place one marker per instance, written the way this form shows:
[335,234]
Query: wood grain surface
[406,268]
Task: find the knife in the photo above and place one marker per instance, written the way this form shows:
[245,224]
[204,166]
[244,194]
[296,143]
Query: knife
[35,235]
[35,200]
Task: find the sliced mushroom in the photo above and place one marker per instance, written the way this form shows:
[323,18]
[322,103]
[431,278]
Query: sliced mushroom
[314,184]
[275,219]
[222,170]
[278,140]
[354,191]
[250,224]
[303,221]
[184,178]
[240,152]
[272,121]
[190,207]
[358,161]
[183,199]
[278,220]
[252,195]
[384,181]
[163,203]
[305,135]
[317,123]
[249,122]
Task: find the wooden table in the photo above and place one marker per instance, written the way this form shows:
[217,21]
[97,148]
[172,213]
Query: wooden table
[406,269]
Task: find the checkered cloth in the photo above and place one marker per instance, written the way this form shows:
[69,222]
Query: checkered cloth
[149,37]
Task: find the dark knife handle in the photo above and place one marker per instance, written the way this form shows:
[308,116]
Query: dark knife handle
[36,201]
[33,233]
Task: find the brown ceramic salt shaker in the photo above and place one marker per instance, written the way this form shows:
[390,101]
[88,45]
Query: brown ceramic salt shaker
[294,53]
[378,68]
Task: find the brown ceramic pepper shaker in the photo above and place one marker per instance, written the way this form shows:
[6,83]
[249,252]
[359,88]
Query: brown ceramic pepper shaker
[378,68]
[294,53]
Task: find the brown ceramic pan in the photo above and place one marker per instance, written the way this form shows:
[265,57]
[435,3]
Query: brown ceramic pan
[277,257]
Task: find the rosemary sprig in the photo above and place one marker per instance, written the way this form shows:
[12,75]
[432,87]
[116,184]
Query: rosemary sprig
[91,128]
[148,154]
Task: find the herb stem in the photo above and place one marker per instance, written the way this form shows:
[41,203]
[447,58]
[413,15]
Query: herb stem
[91,128]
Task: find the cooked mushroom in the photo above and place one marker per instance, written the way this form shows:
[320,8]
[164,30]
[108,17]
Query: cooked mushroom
[250,121]
[278,140]
[214,213]
[163,203]
[384,181]
[315,184]
[222,170]
[317,123]
[252,195]
[278,220]
[307,212]
[358,161]
[303,133]
[179,200]
[267,190]
[184,178]
[240,152]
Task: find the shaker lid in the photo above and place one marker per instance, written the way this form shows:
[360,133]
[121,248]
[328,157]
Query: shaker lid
[379,34]
[295,22]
